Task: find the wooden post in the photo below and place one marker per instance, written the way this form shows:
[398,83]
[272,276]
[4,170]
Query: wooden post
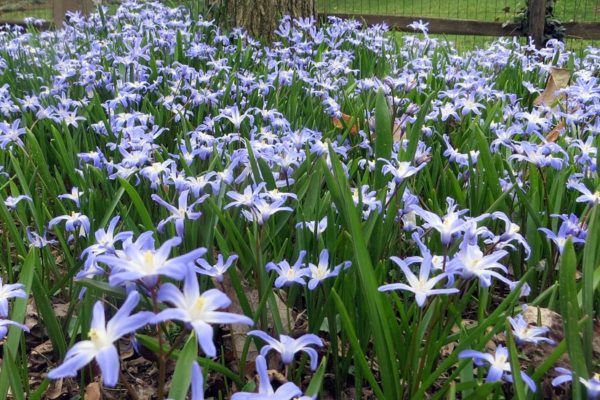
[62,6]
[537,21]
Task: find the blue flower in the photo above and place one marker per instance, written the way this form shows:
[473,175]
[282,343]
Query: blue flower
[499,365]
[511,234]
[403,171]
[179,214]
[287,391]
[261,210]
[287,347]
[73,222]
[11,134]
[197,382]
[419,26]
[101,346]
[37,240]
[106,240]
[249,197]
[586,195]
[217,270]
[448,226]
[316,227]
[198,310]
[470,262]
[6,323]
[73,196]
[7,292]
[523,333]
[560,238]
[289,274]
[320,272]
[140,260]
[592,384]
[423,286]
[11,202]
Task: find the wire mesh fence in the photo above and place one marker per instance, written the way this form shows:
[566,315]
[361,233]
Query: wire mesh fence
[483,10]
[498,11]
[486,10]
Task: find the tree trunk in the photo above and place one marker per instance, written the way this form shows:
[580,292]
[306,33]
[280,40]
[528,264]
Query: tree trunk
[62,6]
[261,17]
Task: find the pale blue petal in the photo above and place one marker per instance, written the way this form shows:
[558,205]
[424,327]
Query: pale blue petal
[197,382]
[77,357]
[205,338]
[494,374]
[108,361]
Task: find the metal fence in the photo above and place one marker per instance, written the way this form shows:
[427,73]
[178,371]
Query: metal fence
[482,10]
[468,21]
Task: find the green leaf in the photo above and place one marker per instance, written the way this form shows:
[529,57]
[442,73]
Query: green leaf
[113,205]
[591,262]
[317,380]
[383,138]
[377,309]
[103,287]
[18,315]
[139,205]
[359,356]
[514,363]
[152,344]
[46,311]
[9,365]
[569,310]
[182,377]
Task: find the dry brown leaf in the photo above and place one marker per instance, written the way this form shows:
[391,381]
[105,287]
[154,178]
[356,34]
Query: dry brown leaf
[348,119]
[93,392]
[558,79]
[55,389]
[239,331]
[554,134]
[61,310]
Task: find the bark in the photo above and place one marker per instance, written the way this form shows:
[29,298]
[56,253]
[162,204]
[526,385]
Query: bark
[62,6]
[261,17]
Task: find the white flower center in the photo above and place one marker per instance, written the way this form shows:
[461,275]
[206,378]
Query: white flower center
[149,262]
[291,274]
[500,362]
[197,309]
[99,338]
[321,273]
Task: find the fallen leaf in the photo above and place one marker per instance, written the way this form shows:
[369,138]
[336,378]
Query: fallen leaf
[548,318]
[348,120]
[558,79]
[55,389]
[93,392]
[240,331]
[554,134]
[61,310]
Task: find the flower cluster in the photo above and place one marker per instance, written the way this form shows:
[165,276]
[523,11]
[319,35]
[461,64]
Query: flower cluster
[181,177]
